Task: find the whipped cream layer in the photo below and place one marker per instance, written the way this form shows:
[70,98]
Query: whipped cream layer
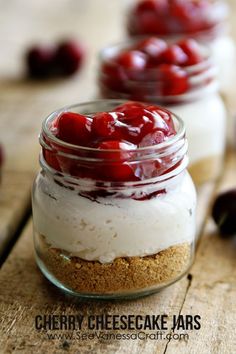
[110,227]
[205,122]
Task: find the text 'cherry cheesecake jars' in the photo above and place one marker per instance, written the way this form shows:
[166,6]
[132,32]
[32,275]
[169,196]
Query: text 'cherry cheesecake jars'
[204,20]
[113,204]
[180,76]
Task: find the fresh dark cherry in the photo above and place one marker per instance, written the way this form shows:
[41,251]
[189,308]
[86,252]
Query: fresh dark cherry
[224,212]
[48,61]
[68,57]
[39,61]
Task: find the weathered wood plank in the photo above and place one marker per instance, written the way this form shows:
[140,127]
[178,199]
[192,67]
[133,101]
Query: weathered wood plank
[14,204]
[213,287]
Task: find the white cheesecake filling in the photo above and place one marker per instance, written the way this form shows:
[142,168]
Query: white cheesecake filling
[110,227]
[205,122]
[224,55]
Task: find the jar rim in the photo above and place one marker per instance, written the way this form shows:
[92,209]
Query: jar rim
[159,147]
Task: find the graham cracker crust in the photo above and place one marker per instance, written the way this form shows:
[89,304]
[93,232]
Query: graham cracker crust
[122,275]
[208,169]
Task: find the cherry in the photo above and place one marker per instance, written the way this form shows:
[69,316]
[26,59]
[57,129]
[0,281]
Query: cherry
[153,47]
[115,169]
[147,24]
[68,57]
[74,128]
[105,125]
[173,79]
[151,5]
[193,51]
[39,61]
[162,17]
[113,76]
[132,60]
[174,55]
[224,212]
[168,128]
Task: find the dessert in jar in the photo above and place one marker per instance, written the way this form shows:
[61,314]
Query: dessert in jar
[204,20]
[180,76]
[113,204]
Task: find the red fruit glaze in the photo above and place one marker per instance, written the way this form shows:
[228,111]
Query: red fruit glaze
[174,55]
[106,125]
[116,136]
[153,48]
[74,128]
[132,60]
[192,50]
[151,67]
[174,80]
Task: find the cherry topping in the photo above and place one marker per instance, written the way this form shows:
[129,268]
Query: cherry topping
[192,50]
[74,128]
[118,169]
[162,17]
[115,135]
[148,5]
[151,68]
[174,55]
[132,60]
[174,80]
[153,47]
[105,125]
[224,212]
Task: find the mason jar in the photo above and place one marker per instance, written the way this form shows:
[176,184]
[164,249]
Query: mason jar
[96,236]
[200,105]
[206,21]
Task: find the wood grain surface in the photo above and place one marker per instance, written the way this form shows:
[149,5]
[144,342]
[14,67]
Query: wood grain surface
[209,290]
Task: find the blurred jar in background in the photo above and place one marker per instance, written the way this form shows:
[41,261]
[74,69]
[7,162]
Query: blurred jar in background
[131,71]
[204,20]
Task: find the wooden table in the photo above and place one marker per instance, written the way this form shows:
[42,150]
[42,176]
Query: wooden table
[208,290]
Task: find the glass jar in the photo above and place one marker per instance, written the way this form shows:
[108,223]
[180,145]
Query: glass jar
[200,106]
[101,238]
[205,21]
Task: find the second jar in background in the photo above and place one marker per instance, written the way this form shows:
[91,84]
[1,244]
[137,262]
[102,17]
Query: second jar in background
[190,91]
